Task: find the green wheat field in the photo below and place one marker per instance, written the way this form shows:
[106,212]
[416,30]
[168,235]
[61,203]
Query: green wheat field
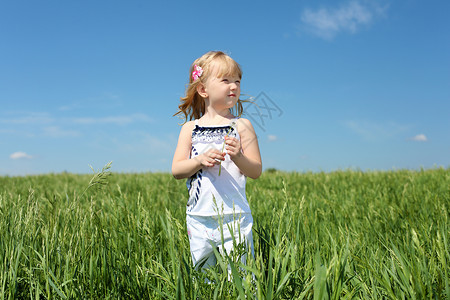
[339,235]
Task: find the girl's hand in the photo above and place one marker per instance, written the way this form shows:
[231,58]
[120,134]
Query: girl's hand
[211,158]
[233,147]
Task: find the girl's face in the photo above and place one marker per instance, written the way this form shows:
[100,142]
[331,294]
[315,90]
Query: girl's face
[223,91]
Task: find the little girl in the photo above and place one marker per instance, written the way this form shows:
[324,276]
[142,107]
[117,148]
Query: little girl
[216,151]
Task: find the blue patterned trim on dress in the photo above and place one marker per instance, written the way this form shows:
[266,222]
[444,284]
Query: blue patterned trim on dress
[194,183]
[211,134]
[193,151]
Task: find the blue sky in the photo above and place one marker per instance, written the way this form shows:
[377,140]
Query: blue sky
[345,84]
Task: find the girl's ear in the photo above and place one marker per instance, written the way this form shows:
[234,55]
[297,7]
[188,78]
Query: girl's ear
[202,91]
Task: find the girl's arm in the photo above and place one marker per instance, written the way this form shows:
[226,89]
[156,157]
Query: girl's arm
[249,159]
[182,165]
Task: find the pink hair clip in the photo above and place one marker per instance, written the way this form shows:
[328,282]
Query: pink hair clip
[198,71]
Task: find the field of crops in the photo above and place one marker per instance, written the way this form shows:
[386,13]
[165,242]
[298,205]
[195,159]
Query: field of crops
[339,235]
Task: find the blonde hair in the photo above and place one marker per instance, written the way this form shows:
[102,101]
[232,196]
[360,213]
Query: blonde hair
[192,104]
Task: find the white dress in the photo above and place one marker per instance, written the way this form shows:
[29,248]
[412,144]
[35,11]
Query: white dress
[205,187]
[217,203]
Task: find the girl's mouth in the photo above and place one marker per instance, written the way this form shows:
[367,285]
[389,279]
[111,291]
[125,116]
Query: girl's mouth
[232,95]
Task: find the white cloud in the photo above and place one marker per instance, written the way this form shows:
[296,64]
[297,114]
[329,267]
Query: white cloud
[37,118]
[420,138]
[272,138]
[57,132]
[20,155]
[118,120]
[327,22]
[372,131]
[28,118]
[101,101]
[142,142]
[70,107]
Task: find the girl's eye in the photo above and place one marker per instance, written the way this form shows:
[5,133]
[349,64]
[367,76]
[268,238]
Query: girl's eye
[226,80]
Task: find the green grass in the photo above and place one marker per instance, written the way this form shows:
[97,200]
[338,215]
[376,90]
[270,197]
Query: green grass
[340,235]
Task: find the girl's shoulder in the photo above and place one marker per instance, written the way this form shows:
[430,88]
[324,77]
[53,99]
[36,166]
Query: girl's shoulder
[245,127]
[189,124]
[187,128]
[243,123]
